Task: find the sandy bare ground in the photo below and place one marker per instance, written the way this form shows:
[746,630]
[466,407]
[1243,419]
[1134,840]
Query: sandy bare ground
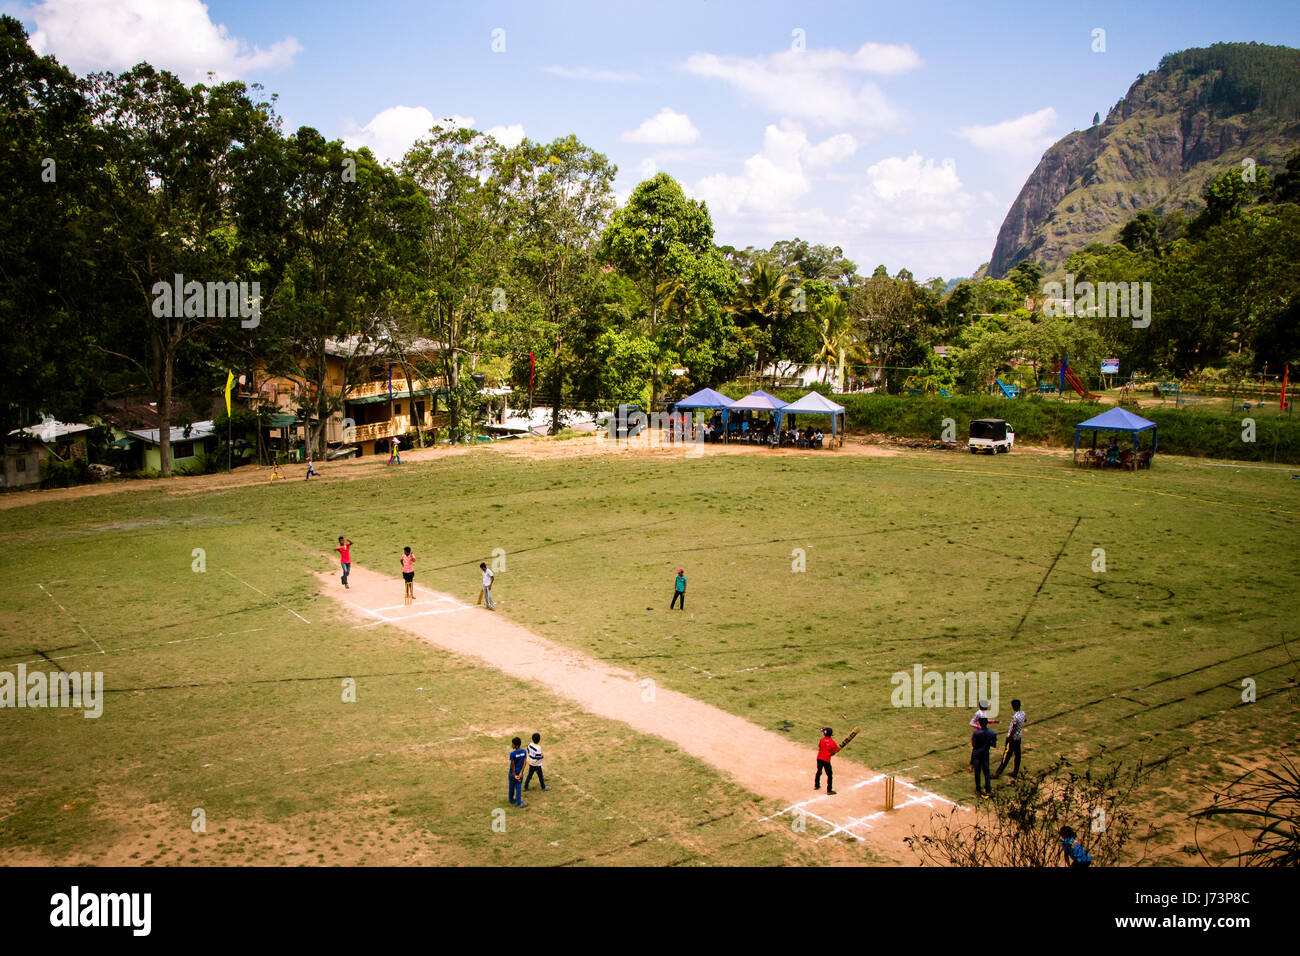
[765,762]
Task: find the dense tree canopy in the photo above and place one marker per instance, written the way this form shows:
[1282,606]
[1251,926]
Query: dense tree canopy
[519,263]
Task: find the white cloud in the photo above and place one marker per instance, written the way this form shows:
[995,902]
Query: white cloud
[774,180]
[511,135]
[665,128]
[818,85]
[175,35]
[595,76]
[392,132]
[882,58]
[913,196]
[1026,135]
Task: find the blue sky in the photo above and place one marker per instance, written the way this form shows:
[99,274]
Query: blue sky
[899,131]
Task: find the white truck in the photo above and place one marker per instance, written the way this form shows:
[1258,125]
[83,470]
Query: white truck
[993,435]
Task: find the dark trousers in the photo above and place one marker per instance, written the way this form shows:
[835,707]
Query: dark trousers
[981,765]
[678,596]
[541,781]
[1013,748]
[347,566]
[823,765]
[516,792]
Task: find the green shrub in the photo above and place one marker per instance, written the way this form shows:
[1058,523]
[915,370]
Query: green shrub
[1048,421]
[65,474]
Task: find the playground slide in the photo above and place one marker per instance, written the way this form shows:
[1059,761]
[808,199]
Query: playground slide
[1009,391]
[1078,385]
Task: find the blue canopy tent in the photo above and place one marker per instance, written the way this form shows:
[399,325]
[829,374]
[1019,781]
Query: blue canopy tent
[706,399]
[814,403]
[1117,420]
[760,401]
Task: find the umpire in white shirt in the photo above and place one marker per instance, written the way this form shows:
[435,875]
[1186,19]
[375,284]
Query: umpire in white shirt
[486,596]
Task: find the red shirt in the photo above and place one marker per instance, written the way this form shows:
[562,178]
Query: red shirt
[344,554]
[828,748]
[408,562]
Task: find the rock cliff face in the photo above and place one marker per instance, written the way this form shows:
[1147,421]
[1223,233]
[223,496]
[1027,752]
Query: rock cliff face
[1200,113]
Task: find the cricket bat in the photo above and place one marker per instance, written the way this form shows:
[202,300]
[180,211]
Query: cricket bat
[845,742]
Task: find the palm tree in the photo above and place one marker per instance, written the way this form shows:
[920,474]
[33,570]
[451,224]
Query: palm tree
[763,302]
[834,330]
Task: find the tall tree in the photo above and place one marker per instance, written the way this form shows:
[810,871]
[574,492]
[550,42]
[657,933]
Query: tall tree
[762,305]
[558,198]
[52,229]
[177,155]
[660,236]
[337,272]
[453,256]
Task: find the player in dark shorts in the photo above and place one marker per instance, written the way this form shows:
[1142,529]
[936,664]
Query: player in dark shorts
[827,749]
[408,575]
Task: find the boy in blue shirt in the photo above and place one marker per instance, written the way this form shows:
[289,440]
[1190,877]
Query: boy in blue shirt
[679,589]
[518,755]
[1073,849]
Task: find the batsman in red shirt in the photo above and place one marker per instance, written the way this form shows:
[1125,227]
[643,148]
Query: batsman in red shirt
[827,749]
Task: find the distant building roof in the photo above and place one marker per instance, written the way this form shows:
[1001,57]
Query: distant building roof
[199,430]
[51,430]
[140,411]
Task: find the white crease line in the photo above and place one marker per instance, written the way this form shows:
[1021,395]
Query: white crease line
[265,595]
[74,620]
[700,670]
[407,617]
[848,828]
[143,647]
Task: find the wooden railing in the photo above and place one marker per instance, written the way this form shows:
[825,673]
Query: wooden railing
[397,425]
[372,389]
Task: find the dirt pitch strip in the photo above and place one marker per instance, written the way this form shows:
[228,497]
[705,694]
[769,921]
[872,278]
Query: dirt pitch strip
[763,761]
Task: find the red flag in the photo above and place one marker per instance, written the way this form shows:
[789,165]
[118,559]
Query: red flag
[1285,375]
[531,366]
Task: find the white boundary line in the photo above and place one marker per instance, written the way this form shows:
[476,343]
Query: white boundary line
[265,595]
[142,647]
[74,620]
[698,670]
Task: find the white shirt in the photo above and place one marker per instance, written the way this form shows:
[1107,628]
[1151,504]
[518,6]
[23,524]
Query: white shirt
[975,721]
[487,578]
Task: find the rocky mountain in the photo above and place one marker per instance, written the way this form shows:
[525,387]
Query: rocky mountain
[1202,111]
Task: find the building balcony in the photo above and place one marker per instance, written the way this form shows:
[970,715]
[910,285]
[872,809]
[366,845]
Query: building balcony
[397,425]
[401,389]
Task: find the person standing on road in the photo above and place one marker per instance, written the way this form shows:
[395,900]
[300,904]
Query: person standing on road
[345,557]
[679,589]
[1011,745]
[827,749]
[485,596]
[408,575]
[395,455]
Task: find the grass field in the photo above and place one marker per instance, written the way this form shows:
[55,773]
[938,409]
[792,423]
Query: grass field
[221,696]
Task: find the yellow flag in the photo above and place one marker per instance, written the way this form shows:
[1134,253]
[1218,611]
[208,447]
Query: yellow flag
[230,380]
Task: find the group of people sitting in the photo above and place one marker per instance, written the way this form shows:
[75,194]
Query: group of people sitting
[1115,457]
[763,433]
[796,438]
